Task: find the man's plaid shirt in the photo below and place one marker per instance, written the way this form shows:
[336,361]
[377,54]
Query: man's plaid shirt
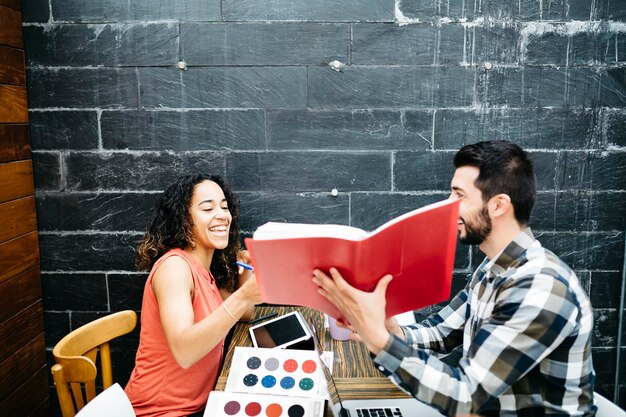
[525,324]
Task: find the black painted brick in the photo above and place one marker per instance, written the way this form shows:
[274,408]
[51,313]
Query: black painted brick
[148,171]
[359,87]
[341,130]
[64,130]
[304,10]
[608,170]
[580,10]
[47,171]
[80,88]
[604,327]
[56,325]
[530,128]
[595,47]
[548,48]
[377,44]
[370,210]
[512,9]
[579,210]
[305,171]
[97,211]
[431,10]
[611,87]
[241,87]
[423,171]
[116,11]
[126,290]
[258,208]
[35,11]
[615,130]
[184,131]
[263,44]
[604,366]
[76,292]
[586,250]
[605,289]
[496,44]
[104,45]
[88,252]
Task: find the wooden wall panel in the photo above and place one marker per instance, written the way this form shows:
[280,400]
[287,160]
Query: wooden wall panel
[12,66]
[24,383]
[15,141]
[16,180]
[21,365]
[17,217]
[19,292]
[18,255]
[28,396]
[11,27]
[13,104]
[14,4]
[20,329]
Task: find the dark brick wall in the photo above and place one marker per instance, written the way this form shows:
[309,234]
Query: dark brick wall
[114,121]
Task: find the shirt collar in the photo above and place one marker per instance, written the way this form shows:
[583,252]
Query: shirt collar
[510,255]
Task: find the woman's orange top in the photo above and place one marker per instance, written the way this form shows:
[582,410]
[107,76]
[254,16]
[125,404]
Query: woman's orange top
[158,386]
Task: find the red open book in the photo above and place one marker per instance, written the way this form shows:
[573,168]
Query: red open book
[417,248]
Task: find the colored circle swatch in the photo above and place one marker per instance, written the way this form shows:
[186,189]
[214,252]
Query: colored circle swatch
[254,362]
[273,410]
[231,408]
[295,411]
[306,384]
[250,380]
[309,366]
[290,365]
[271,364]
[287,382]
[253,409]
[268,381]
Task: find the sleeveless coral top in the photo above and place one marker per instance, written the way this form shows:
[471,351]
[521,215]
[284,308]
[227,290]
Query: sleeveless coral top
[158,386]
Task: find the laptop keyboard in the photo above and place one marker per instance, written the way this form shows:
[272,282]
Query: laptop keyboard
[378,412]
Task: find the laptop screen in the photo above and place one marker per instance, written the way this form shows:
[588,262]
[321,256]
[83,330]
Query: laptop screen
[333,393]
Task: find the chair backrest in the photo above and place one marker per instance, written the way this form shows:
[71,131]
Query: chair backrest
[76,354]
[606,408]
[110,402]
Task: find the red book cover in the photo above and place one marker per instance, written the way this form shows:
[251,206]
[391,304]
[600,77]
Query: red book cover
[417,248]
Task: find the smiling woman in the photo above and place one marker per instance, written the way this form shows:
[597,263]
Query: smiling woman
[192,297]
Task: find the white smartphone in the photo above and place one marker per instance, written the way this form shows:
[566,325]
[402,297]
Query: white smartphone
[287,331]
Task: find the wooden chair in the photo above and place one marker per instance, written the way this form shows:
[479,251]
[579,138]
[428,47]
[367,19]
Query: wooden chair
[76,354]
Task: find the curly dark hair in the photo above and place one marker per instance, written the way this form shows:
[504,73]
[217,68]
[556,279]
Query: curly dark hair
[171,227]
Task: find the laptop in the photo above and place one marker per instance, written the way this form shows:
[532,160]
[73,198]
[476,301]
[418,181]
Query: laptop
[387,407]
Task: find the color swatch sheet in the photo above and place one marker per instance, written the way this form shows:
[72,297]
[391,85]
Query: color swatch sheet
[235,404]
[276,371]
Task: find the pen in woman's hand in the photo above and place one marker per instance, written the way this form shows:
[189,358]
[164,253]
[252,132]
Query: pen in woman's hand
[268,316]
[245,266]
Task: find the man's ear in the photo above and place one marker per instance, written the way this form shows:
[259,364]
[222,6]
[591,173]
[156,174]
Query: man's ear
[500,205]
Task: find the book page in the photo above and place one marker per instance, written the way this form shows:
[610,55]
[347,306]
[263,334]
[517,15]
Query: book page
[275,230]
[276,371]
[411,213]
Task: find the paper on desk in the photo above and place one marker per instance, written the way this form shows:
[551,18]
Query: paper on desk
[275,371]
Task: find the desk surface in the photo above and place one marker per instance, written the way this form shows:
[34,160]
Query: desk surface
[355,374]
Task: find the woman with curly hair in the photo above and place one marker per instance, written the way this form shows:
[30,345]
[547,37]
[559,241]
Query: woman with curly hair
[193,296]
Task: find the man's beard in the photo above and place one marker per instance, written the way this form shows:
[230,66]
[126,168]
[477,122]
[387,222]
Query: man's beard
[477,230]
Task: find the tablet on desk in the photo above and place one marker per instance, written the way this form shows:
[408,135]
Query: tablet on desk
[288,331]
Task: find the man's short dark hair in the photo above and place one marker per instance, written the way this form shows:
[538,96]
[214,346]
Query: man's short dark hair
[504,169]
